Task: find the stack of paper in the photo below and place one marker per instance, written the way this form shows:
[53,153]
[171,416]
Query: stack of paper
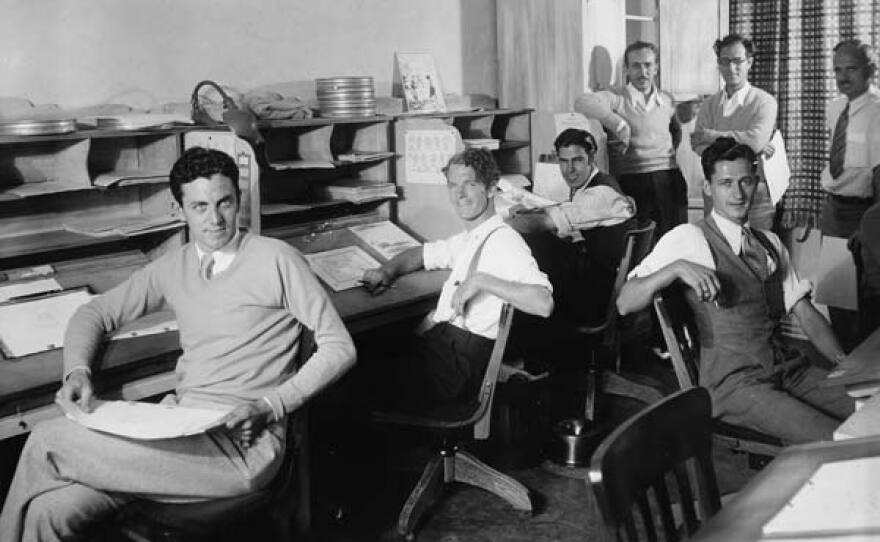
[364,156]
[123,227]
[488,143]
[358,191]
[141,121]
[864,422]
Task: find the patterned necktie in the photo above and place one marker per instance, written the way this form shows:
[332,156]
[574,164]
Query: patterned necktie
[753,254]
[838,144]
[206,267]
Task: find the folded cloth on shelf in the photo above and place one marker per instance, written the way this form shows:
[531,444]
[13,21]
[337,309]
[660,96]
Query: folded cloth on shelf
[268,104]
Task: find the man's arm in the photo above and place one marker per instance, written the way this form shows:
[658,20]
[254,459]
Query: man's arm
[530,298]
[601,106]
[638,292]
[817,329]
[593,207]
[379,279]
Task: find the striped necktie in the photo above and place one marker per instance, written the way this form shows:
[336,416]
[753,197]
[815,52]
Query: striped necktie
[206,266]
[753,254]
[838,144]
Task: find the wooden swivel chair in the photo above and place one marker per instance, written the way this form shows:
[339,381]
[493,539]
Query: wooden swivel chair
[606,337]
[681,337]
[659,456]
[452,464]
[282,506]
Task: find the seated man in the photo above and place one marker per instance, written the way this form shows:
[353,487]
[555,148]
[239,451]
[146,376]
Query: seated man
[867,246]
[739,282]
[578,243]
[490,265]
[241,302]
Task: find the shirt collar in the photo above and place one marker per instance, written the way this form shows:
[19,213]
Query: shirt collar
[731,231]
[226,253]
[485,227]
[738,98]
[871,95]
[637,97]
[587,182]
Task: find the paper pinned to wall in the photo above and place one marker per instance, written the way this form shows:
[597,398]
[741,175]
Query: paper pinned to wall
[836,275]
[427,152]
[777,172]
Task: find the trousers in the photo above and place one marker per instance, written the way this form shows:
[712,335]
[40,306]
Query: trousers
[69,477]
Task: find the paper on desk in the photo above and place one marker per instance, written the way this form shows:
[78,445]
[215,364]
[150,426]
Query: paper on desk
[839,499]
[18,289]
[510,195]
[38,324]
[144,421]
[341,268]
[385,238]
[836,275]
[776,169]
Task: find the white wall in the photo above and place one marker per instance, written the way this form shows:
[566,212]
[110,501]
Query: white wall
[143,52]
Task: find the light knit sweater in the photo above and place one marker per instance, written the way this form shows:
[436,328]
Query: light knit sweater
[239,331]
[751,124]
[650,145]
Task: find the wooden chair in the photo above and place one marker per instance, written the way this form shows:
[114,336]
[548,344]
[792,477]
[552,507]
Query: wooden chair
[453,464]
[282,506]
[681,337]
[636,245]
[660,456]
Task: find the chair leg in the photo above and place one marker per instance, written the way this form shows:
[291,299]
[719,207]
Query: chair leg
[426,492]
[470,470]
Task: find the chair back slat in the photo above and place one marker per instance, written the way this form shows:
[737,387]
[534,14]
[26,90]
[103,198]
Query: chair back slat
[655,442]
[483,415]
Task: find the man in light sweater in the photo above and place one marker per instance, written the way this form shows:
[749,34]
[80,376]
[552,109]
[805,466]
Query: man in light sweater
[741,111]
[641,119]
[241,302]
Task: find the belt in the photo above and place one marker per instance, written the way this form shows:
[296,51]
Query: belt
[852,200]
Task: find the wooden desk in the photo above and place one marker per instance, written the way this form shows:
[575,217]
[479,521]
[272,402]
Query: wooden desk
[139,367]
[742,519]
[861,366]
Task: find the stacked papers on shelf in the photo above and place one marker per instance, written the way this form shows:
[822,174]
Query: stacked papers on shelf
[123,226]
[488,143]
[140,121]
[364,156]
[358,191]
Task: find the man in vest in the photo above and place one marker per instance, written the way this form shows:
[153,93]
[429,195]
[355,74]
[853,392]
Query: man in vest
[739,282]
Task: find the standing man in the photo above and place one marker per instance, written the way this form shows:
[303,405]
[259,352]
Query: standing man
[642,120]
[741,111]
[739,281]
[851,180]
[491,265]
[241,302]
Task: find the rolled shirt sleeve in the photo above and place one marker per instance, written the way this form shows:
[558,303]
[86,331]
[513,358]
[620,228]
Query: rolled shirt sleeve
[590,208]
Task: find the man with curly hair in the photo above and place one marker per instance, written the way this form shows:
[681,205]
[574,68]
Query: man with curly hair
[491,265]
[241,302]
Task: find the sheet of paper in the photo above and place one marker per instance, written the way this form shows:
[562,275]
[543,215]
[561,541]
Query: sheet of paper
[38,324]
[515,179]
[776,169]
[427,152]
[510,195]
[836,275]
[385,238]
[18,289]
[549,183]
[840,498]
[144,421]
[341,268]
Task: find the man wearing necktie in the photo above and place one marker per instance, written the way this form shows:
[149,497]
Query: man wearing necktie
[739,281]
[851,178]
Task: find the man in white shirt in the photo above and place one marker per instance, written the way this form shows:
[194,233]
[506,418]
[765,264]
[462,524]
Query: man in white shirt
[491,265]
[739,281]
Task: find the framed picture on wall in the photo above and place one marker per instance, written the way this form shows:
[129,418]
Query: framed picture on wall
[420,83]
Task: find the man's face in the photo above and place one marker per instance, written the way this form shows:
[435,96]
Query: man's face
[850,74]
[575,164]
[731,188]
[734,64]
[210,208]
[641,68]
[469,196]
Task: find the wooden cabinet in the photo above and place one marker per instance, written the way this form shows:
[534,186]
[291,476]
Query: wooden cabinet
[424,207]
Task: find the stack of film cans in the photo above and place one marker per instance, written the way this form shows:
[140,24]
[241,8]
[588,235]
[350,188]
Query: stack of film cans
[349,96]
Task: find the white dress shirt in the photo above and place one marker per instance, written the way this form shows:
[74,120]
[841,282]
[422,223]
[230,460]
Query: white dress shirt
[223,257]
[862,145]
[729,104]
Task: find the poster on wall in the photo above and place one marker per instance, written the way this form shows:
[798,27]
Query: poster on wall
[427,152]
[420,82]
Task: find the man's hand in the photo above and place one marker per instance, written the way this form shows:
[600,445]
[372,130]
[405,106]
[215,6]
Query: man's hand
[624,134]
[248,421]
[78,389]
[701,279]
[768,150]
[464,292]
[377,280]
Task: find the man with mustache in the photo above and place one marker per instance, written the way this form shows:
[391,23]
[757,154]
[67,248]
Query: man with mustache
[645,133]
[851,179]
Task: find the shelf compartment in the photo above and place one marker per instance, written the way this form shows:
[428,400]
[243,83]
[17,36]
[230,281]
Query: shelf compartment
[44,167]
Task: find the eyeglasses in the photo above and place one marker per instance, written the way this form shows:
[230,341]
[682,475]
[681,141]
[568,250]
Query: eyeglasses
[731,61]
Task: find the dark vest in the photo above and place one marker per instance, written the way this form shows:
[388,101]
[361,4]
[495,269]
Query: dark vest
[738,337]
